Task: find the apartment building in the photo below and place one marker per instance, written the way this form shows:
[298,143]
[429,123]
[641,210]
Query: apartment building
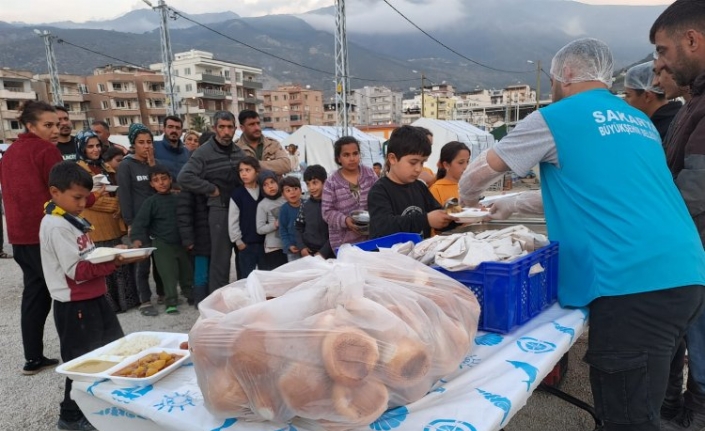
[123,95]
[378,105]
[330,115]
[290,106]
[74,94]
[205,85]
[15,88]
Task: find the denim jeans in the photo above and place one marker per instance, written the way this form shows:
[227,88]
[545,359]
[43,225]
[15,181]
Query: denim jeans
[200,278]
[694,397]
[249,258]
[631,343]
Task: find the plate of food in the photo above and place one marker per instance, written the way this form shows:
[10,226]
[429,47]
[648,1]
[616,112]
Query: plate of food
[148,366]
[95,364]
[470,215]
[106,254]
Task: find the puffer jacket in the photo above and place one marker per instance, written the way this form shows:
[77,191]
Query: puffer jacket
[685,153]
[192,218]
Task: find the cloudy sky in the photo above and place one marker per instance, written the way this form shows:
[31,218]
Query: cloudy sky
[43,11]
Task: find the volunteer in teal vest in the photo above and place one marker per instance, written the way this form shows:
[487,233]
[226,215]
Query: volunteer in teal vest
[629,250]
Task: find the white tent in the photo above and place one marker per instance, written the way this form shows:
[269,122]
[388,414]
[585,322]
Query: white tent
[446,131]
[316,146]
[277,135]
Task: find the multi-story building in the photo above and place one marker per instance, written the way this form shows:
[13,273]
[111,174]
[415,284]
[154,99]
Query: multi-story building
[122,95]
[290,106]
[330,115]
[15,89]
[378,105]
[205,85]
[434,106]
[74,94]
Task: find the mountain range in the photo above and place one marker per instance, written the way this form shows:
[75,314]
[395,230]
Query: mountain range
[384,48]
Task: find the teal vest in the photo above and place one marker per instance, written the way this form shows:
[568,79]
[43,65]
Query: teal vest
[622,225]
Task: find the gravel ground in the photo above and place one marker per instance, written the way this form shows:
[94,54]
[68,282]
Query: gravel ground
[32,403]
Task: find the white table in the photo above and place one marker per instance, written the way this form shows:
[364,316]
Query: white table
[491,385]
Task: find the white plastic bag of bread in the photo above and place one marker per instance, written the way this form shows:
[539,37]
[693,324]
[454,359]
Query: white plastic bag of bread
[338,343]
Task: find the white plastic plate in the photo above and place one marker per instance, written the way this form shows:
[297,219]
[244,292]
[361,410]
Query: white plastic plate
[470,215]
[144,381]
[110,253]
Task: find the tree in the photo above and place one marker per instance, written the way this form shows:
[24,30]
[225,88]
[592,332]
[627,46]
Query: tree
[199,124]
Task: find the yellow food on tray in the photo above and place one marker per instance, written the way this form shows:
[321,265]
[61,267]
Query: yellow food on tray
[148,365]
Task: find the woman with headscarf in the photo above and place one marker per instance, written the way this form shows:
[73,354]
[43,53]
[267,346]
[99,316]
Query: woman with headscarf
[134,189]
[108,226]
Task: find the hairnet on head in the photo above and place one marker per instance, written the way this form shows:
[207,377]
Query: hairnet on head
[641,77]
[583,60]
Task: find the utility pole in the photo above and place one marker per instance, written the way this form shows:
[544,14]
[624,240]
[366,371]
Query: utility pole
[167,56]
[538,85]
[51,65]
[423,103]
[342,81]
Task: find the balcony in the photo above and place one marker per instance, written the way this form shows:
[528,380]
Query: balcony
[211,79]
[212,94]
[72,96]
[17,93]
[252,100]
[252,84]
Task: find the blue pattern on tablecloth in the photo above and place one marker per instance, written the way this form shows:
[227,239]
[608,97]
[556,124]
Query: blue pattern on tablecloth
[534,345]
[449,425]
[530,371]
[390,419]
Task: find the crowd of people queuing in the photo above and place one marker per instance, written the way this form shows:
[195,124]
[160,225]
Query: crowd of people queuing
[631,235]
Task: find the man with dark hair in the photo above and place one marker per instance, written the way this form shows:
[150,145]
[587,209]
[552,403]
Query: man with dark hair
[102,129]
[640,92]
[679,36]
[67,144]
[269,152]
[170,151]
[211,171]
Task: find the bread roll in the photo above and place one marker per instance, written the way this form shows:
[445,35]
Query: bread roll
[224,393]
[361,405]
[249,354]
[405,362]
[349,355]
[306,390]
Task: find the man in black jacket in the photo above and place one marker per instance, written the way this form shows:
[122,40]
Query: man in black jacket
[212,171]
[640,92]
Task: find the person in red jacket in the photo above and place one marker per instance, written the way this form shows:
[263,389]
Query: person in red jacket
[24,178]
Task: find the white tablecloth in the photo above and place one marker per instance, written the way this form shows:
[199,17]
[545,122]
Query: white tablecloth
[491,385]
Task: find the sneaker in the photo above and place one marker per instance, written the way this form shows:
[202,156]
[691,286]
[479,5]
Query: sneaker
[33,367]
[172,310]
[148,310]
[79,425]
[687,420]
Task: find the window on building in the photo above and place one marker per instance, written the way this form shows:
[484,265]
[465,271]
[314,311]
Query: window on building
[276,98]
[177,89]
[120,104]
[189,87]
[15,125]
[82,88]
[13,105]
[284,97]
[187,71]
[227,74]
[305,96]
[124,121]
[101,88]
[276,119]
[238,76]
[107,120]
[117,86]
[209,71]
[104,104]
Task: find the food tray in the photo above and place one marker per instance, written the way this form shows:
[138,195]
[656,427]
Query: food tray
[127,253]
[144,381]
[470,215]
[508,295]
[167,340]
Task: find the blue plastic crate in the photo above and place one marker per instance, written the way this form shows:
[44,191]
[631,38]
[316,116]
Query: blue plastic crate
[388,241]
[509,297]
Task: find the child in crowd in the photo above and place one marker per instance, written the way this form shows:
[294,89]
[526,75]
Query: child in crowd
[268,220]
[291,190]
[156,219]
[311,229]
[192,218]
[346,191]
[377,167]
[113,156]
[84,319]
[455,157]
[399,202]
[242,218]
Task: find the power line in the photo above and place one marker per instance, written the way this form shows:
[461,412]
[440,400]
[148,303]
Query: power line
[314,69]
[451,49]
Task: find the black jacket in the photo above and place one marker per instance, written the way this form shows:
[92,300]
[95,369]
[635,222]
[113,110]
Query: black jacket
[312,230]
[663,117]
[192,218]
